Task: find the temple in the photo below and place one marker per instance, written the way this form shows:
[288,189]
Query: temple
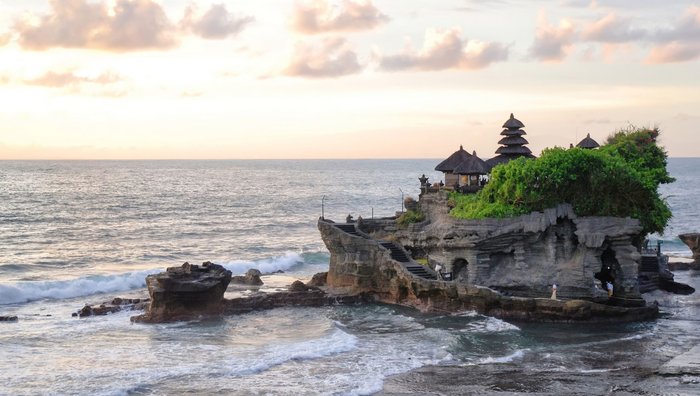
[500,266]
[467,173]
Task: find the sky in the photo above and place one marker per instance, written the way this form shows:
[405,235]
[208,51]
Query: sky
[248,79]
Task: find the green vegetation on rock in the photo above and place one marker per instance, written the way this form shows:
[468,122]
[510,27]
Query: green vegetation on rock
[409,217]
[620,179]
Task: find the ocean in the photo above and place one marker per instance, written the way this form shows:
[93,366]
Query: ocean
[77,232]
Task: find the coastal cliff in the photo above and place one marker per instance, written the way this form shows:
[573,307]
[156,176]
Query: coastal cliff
[525,255]
[362,264]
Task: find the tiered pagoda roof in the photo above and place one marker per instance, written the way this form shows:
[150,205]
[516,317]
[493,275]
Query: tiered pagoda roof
[512,144]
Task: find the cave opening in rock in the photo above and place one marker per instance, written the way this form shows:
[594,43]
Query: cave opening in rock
[608,268]
[459,270]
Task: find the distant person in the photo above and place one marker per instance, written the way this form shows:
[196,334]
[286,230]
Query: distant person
[438,271]
[554,291]
[348,219]
[609,286]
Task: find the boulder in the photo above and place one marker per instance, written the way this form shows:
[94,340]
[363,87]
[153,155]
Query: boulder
[319,279]
[8,318]
[298,286]
[252,277]
[186,292]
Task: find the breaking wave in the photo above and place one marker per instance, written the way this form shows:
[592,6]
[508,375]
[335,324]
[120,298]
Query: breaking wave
[26,291]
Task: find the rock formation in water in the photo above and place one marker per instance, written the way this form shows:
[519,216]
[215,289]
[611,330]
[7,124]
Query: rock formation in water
[186,292]
[117,304]
[693,242]
[251,277]
[501,267]
[360,265]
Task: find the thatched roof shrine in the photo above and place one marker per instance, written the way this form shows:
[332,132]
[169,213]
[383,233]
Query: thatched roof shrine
[588,143]
[453,160]
[472,166]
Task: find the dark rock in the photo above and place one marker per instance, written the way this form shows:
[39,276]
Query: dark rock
[185,292]
[8,318]
[298,286]
[311,298]
[117,304]
[675,287]
[252,277]
[319,279]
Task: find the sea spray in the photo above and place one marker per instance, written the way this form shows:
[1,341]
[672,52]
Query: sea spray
[25,291]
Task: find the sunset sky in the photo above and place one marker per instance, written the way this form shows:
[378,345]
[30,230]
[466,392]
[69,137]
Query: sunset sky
[123,79]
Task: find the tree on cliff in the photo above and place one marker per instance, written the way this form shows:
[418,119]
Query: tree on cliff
[619,179]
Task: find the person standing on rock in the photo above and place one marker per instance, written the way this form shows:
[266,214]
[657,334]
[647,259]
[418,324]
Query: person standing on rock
[554,291]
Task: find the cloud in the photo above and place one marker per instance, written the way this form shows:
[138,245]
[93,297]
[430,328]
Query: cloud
[319,16]
[553,43]
[681,43]
[331,58]
[69,79]
[674,52]
[613,29]
[445,49]
[128,25]
[216,23]
[5,39]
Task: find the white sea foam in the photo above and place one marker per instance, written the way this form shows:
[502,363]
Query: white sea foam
[504,359]
[19,292]
[274,355]
[25,291]
[274,264]
[497,325]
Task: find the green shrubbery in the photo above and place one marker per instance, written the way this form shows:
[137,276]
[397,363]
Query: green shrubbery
[620,178]
[409,217]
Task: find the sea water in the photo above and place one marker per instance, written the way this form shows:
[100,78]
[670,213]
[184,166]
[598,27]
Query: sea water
[76,232]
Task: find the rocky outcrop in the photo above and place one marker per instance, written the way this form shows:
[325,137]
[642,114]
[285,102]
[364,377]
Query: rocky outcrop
[508,266]
[307,298]
[251,277]
[186,292]
[117,304]
[525,255]
[8,318]
[358,266]
[319,280]
[693,242]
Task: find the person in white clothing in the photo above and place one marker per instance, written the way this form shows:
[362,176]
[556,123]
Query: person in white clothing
[438,271]
[554,291]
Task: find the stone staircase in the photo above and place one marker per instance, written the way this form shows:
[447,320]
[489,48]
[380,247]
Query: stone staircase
[648,279]
[397,253]
[349,229]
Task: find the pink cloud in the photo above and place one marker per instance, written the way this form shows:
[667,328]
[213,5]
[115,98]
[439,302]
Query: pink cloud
[330,58]
[553,43]
[674,52]
[129,25]
[215,23]
[445,49]
[319,16]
